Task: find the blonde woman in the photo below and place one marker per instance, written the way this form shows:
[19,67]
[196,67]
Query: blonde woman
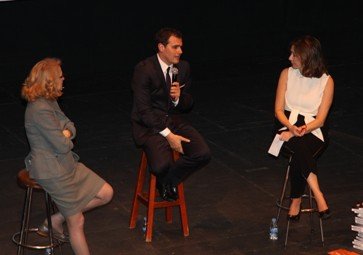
[51,161]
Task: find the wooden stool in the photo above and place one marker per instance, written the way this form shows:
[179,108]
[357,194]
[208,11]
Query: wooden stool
[310,209]
[148,199]
[21,238]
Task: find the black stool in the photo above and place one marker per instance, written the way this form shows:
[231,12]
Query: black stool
[287,152]
[21,238]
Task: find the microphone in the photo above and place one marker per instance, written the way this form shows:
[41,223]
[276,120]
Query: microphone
[174,72]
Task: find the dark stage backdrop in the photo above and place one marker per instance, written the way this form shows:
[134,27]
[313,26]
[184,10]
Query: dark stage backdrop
[97,38]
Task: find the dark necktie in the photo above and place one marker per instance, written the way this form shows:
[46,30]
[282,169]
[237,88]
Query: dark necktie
[167,79]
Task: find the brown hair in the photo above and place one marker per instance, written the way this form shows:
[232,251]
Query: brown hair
[42,80]
[308,48]
[163,35]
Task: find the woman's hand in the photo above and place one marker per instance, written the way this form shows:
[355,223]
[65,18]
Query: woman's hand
[67,133]
[285,136]
[298,131]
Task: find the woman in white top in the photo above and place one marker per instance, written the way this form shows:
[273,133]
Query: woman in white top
[303,99]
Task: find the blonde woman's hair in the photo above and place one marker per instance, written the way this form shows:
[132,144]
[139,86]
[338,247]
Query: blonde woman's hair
[41,81]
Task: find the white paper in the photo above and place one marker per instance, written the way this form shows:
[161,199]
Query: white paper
[275,146]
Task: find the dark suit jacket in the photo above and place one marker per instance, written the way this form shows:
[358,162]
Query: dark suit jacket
[50,151]
[152,109]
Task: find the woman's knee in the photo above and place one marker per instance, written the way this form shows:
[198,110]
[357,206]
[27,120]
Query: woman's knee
[106,193]
[75,221]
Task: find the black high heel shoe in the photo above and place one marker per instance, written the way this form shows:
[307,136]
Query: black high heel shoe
[324,215]
[294,217]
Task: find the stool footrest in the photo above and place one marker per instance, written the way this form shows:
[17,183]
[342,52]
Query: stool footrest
[16,237]
[158,204]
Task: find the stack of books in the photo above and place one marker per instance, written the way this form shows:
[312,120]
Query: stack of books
[358,226]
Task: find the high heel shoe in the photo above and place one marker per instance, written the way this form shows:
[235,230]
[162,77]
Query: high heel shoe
[324,215]
[294,217]
[43,230]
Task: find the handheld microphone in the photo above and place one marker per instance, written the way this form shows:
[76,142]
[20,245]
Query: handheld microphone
[174,72]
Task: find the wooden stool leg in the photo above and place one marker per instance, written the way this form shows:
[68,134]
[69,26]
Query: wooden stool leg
[183,210]
[138,190]
[151,204]
[150,209]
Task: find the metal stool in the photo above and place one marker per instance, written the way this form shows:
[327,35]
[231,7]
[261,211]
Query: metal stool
[311,209]
[21,238]
[148,199]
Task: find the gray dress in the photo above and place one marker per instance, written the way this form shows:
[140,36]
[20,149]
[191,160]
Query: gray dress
[51,161]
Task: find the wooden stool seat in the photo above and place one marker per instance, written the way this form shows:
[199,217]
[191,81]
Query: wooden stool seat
[24,179]
[149,200]
[21,238]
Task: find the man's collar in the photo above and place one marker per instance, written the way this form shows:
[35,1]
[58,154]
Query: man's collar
[163,65]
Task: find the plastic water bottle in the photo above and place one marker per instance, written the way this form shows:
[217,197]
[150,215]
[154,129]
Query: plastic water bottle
[144,225]
[48,251]
[274,231]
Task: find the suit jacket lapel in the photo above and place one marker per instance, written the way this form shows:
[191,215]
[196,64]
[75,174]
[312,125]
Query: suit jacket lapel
[160,74]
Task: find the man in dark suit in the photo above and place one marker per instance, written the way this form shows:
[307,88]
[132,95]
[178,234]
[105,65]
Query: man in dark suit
[160,98]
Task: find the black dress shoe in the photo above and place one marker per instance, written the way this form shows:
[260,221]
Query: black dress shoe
[326,214]
[172,191]
[167,192]
[163,192]
[294,217]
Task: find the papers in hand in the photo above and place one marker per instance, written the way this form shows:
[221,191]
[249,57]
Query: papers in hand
[275,146]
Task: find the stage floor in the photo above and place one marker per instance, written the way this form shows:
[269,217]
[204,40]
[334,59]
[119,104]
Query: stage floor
[231,201]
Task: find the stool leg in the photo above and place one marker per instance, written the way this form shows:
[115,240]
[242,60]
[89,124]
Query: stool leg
[280,202]
[48,204]
[321,231]
[287,232]
[150,209]
[25,221]
[311,211]
[138,190]
[183,210]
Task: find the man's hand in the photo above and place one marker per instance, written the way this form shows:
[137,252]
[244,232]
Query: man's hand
[175,142]
[175,91]
[67,133]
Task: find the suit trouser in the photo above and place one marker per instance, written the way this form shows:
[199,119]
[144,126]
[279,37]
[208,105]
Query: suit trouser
[159,155]
[303,161]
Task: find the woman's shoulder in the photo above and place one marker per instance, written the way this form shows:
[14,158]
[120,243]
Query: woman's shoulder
[40,104]
[284,73]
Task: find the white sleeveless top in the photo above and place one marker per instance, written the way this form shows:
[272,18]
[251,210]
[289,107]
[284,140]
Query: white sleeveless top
[303,96]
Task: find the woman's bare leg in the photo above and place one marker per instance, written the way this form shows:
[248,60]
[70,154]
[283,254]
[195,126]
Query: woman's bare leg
[319,197]
[295,206]
[75,222]
[57,222]
[103,197]
[75,225]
